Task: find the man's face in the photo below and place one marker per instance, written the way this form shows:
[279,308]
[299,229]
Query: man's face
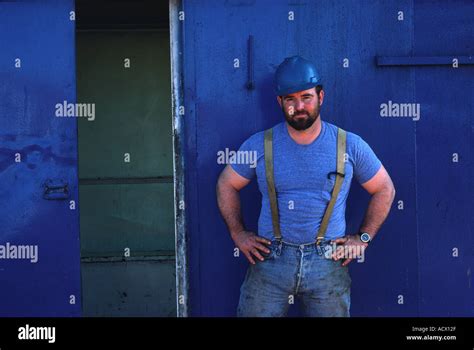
[301,108]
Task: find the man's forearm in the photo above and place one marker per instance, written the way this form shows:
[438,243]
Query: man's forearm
[228,200]
[377,211]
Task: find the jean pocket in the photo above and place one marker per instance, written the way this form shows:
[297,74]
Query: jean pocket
[271,254]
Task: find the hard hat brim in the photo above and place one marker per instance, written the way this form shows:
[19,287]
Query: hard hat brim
[293,89]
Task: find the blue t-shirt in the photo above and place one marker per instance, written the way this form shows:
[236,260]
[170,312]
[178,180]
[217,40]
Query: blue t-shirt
[301,180]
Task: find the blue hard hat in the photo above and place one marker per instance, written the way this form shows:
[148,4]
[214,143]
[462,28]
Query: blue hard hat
[295,74]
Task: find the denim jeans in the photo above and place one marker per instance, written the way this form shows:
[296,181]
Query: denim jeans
[293,272]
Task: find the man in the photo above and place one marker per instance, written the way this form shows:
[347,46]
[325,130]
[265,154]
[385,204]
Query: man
[304,171]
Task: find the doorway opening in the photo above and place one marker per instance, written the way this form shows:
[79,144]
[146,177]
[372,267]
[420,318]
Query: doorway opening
[126,179]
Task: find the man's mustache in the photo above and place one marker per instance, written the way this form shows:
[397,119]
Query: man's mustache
[302,113]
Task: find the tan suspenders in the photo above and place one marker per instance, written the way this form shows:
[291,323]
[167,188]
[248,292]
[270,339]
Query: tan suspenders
[268,147]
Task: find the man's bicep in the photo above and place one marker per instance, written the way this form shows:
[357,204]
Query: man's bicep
[231,177]
[380,181]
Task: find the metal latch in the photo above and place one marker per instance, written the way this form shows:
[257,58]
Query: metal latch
[55,189]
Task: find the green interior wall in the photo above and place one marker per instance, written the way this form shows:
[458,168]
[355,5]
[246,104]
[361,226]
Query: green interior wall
[126,204]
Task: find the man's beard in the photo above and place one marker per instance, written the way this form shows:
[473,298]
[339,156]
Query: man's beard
[301,123]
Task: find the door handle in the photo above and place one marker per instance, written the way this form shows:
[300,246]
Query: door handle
[250,83]
[422,60]
[55,189]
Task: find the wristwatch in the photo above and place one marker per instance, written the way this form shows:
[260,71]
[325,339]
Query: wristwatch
[365,237]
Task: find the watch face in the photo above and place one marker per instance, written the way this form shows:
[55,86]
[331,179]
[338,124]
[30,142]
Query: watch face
[365,237]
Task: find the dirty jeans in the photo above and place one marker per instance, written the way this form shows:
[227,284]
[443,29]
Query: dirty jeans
[293,272]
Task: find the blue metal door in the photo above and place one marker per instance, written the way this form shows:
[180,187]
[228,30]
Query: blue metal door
[444,146]
[39,226]
[369,53]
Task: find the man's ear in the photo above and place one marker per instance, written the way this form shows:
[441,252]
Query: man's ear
[279,100]
[321,97]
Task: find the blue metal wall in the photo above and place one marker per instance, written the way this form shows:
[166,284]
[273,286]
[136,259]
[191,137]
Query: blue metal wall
[41,35]
[421,262]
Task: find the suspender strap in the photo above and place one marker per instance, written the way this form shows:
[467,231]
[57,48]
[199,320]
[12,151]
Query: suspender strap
[341,149]
[268,147]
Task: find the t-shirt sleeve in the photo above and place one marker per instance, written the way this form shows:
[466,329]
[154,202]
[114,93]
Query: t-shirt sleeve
[247,152]
[366,162]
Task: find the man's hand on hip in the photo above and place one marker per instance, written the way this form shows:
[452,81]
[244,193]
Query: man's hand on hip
[349,247]
[250,244]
